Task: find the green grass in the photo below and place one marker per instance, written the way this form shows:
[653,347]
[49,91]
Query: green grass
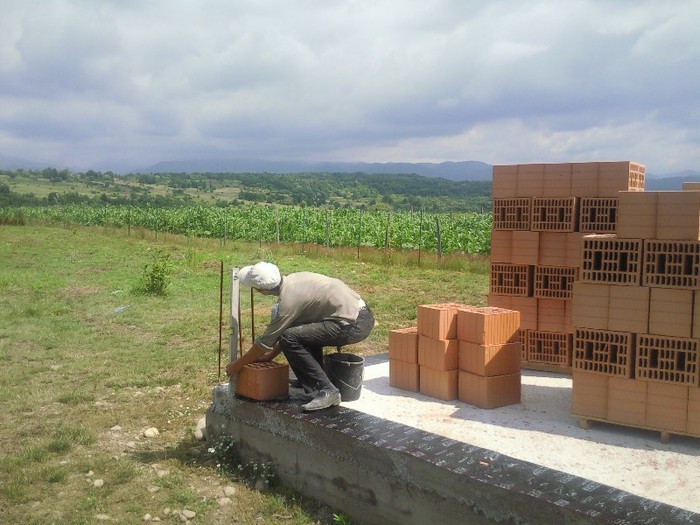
[88,362]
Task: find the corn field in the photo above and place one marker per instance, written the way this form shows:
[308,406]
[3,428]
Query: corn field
[442,233]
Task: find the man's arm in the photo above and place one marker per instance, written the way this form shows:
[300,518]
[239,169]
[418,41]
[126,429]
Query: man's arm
[251,356]
[269,356]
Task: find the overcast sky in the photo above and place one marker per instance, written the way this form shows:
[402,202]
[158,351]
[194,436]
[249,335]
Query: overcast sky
[107,84]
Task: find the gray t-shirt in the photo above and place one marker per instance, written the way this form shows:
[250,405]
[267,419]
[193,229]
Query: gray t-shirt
[307,297]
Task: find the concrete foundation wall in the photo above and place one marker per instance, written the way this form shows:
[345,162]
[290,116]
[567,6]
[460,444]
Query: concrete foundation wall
[376,471]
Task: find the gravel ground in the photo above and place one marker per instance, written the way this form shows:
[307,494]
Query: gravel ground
[542,430]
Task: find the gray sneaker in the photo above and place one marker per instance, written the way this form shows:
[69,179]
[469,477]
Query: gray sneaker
[323,399]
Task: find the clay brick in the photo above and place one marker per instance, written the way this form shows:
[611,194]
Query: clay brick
[551,315]
[438,321]
[690,186]
[557,180]
[694,411]
[607,259]
[667,407]
[440,384]
[627,401]
[530,180]
[696,314]
[598,214]
[527,306]
[552,348]
[629,309]
[604,352]
[263,381]
[505,181]
[490,360]
[636,214]
[403,344]
[440,354]
[488,325]
[554,282]
[512,214]
[573,249]
[590,305]
[678,215]
[555,214]
[614,177]
[489,392]
[404,375]
[671,312]
[500,301]
[672,264]
[667,359]
[525,247]
[553,246]
[501,246]
[589,394]
[511,279]
[584,179]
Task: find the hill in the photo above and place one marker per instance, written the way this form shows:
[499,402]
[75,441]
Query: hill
[456,171]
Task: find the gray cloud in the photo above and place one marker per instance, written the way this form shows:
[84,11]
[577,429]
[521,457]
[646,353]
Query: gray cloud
[83,83]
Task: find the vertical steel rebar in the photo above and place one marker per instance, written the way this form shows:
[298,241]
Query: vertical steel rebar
[221,312]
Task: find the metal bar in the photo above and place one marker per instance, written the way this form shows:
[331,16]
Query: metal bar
[235,313]
[221,312]
[252,314]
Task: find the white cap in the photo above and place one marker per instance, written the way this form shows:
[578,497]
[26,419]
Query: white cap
[263,276]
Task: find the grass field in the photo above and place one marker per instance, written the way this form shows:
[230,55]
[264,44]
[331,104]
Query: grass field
[88,363]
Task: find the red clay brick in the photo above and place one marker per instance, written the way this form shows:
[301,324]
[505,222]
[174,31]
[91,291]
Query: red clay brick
[552,348]
[489,392]
[441,384]
[403,344]
[589,394]
[512,214]
[629,309]
[607,259]
[584,179]
[627,401]
[440,354]
[488,325]
[672,264]
[604,352]
[404,375]
[554,282]
[552,214]
[667,407]
[438,321]
[501,246]
[511,279]
[525,247]
[505,181]
[489,360]
[590,305]
[598,214]
[636,214]
[694,411]
[557,180]
[665,359]
[263,381]
[671,312]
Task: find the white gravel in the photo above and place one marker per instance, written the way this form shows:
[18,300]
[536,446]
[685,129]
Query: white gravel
[542,430]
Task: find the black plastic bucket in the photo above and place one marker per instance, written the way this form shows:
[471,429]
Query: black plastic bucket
[346,372]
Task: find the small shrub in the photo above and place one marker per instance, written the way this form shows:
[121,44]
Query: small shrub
[156,276]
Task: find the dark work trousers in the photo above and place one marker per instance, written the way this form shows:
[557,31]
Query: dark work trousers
[303,346]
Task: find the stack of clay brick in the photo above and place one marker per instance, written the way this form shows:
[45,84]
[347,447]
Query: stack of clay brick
[540,213]
[459,352]
[636,315]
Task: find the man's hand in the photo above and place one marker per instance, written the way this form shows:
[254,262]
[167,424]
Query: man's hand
[231,369]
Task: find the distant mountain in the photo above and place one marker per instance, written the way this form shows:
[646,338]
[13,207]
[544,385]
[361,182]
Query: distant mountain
[9,162]
[456,171]
[672,181]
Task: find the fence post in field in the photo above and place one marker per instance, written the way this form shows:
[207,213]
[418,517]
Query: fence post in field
[386,232]
[359,234]
[303,230]
[128,221]
[277,225]
[328,235]
[420,234]
[439,238]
